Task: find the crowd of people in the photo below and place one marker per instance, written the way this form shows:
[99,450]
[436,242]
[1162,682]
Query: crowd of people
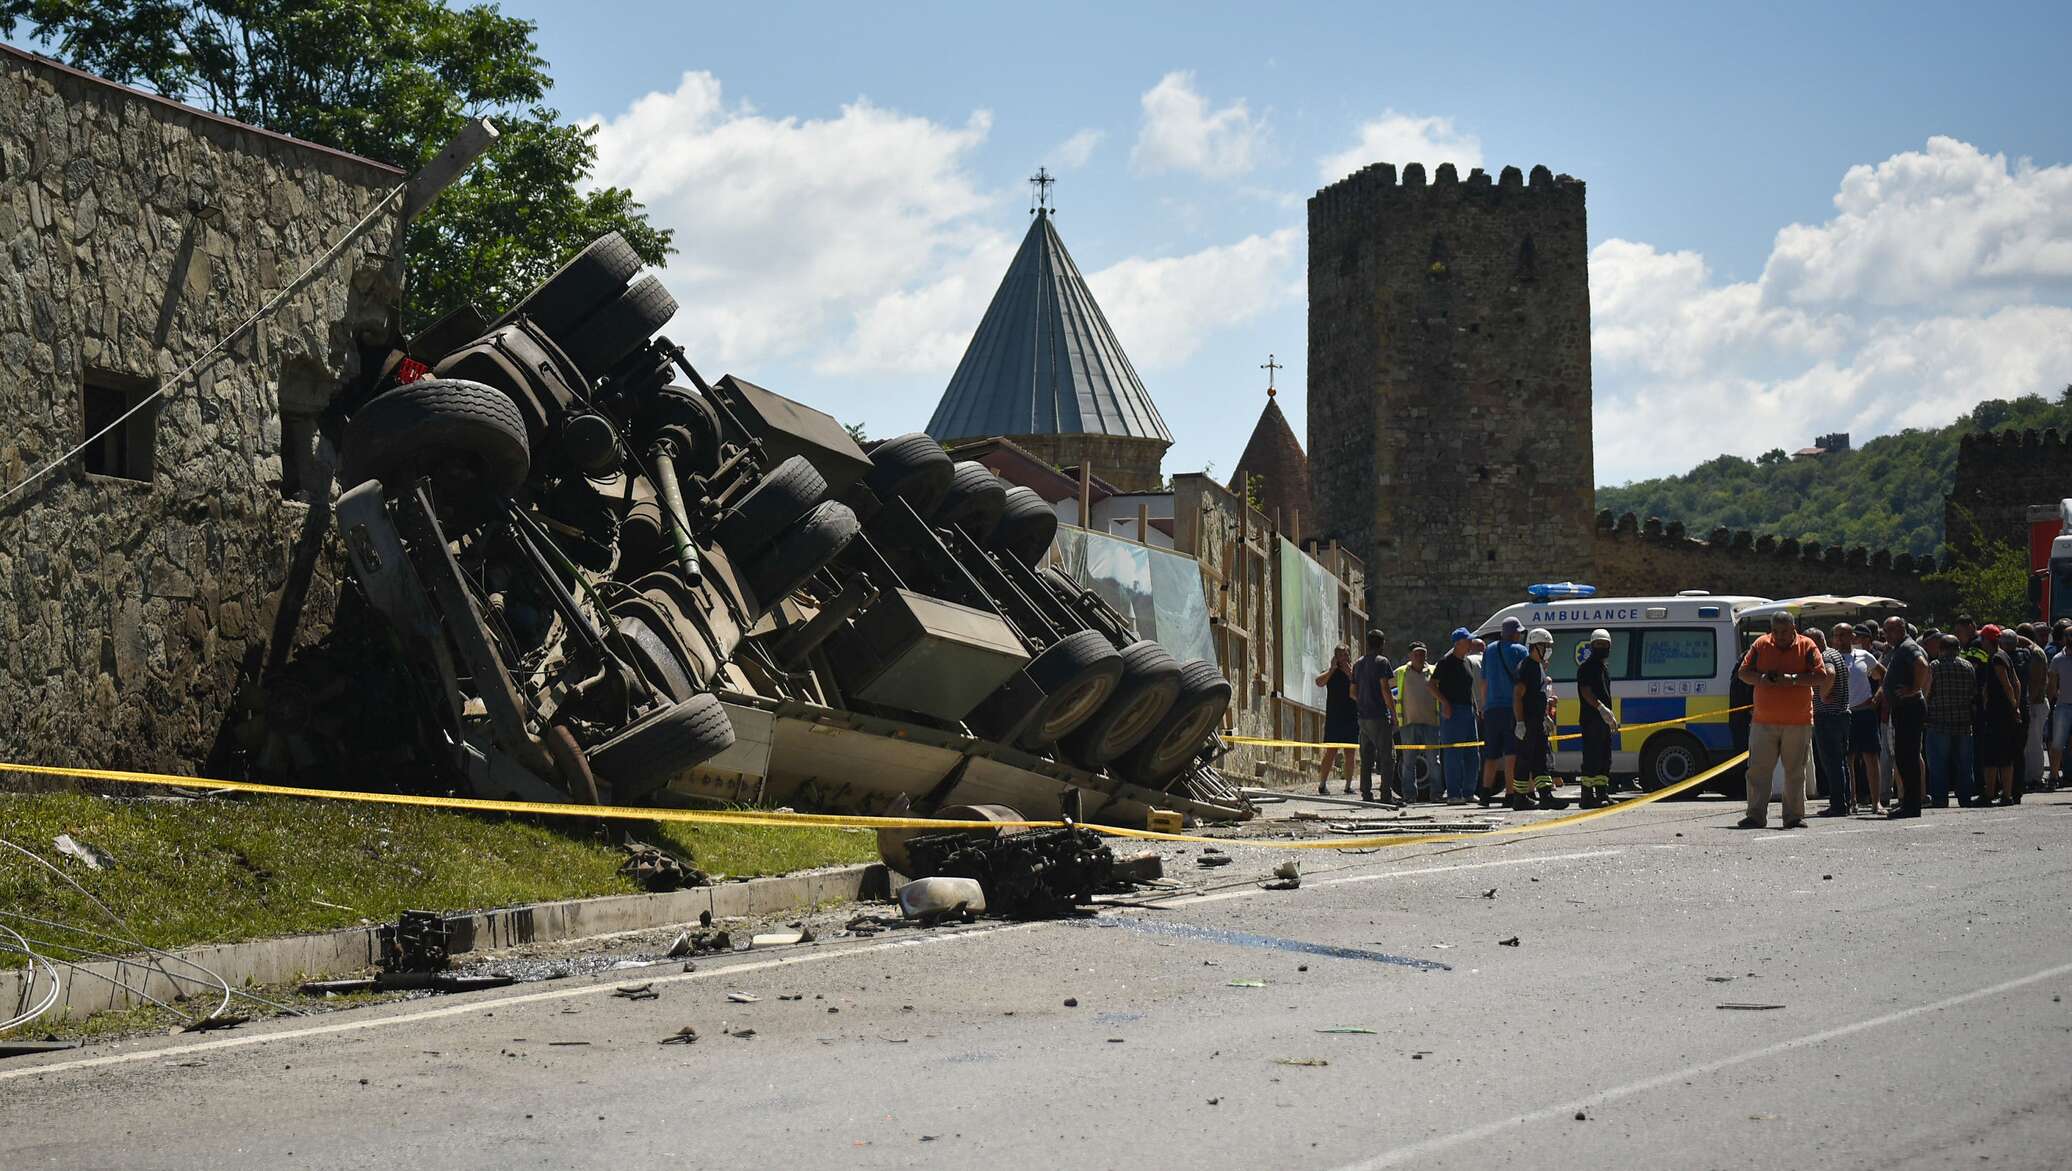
[1877,718]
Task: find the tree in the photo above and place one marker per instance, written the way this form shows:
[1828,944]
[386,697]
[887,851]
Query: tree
[390,79]
[1774,457]
[1992,583]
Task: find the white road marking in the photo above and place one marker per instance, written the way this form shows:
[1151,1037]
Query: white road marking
[490,1003]
[1420,1150]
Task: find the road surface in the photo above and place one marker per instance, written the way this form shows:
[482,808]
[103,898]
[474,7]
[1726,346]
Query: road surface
[1917,977]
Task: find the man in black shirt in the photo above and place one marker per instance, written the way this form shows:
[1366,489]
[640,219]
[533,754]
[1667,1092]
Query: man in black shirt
[1453,685]
[1594,699]
[1906,676]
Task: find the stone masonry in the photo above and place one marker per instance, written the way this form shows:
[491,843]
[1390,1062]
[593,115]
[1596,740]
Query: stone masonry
[138,231]
[1449,388]
[1999,476]
[1637,558]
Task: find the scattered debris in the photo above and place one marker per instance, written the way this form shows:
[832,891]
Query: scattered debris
[1034,874]
[209,1024]
[1138,868]
[1071,1002]
[1719,979]
[1213,860]
[417,943]
[1247,984]
[1581,1117]
[637,992]
[1313,1062]
[657,872]
[407,982]
[1511,942]
[682,946]
[1352,1029]
[31,1048]
[553,1043]
[89,856]
[743,1034]
[780,938]
[744,997]
[1420,1054]
[682,1036]
[1490,893]
[1751,1007]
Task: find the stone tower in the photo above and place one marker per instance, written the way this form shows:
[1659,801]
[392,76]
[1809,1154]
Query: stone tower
[1449,383]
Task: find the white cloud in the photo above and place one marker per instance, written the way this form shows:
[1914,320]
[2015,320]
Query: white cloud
[1944,278]
[1924,226]
[1180,132]
[790,229]
[1164,309]
[1405,138]
[1076,150]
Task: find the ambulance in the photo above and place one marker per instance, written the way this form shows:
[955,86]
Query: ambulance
[1671,658]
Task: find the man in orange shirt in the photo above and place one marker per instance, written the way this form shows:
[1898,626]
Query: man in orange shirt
[1784,667]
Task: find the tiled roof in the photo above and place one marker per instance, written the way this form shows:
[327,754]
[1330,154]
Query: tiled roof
[1044,360]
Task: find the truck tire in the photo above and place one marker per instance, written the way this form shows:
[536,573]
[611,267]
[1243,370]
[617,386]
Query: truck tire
[1204,696]
[1670,757]
[663,746]
[1027,526]
[591,277]
[800,552]
[770,507]
[913,468]
[973,502]
[1077,674]
[437,426]
[618,326]
[1149,685]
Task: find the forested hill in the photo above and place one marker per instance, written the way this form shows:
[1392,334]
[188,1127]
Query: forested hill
[1887,494]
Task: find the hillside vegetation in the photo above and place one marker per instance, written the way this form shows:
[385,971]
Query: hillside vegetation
[1887,494]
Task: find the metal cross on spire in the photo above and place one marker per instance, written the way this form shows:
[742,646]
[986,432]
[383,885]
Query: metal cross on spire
[1041,181]
[1270,366]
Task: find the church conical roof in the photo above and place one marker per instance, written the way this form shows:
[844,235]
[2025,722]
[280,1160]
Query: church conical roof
[1276,457]
[1044,361]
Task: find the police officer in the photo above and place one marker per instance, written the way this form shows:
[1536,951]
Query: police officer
[1594,698]
[1531,698]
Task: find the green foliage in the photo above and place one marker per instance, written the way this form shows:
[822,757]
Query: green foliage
[1995,582]
[392,80]
[1887,494]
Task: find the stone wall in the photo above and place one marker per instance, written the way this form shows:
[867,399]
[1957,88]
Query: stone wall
[1999,476]
[1131,464]
[137,232]
[1449,387]
[1641,559]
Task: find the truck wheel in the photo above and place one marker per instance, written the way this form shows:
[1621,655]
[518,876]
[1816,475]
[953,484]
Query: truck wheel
[618,326]
[1671,757]
[1204,696]
[663,746]
[1027,526]
[437,426]
[913,468]
[590,278]
[974,501]
[1149,685]
[770,507]
[800,552]
[1077,674]
[684,418]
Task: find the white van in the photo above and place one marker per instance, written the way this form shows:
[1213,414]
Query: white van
[1671,657]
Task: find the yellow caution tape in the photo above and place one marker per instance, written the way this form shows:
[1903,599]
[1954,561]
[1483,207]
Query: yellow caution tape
[844,820]
[1261,742]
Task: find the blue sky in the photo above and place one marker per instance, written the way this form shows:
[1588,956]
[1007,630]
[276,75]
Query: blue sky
[847,183]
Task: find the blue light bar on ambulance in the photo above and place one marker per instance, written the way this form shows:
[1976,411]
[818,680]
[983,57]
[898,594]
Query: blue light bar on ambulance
[1554,591]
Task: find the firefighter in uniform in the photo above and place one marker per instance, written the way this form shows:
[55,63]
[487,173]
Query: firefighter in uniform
[1594,700]
[1532,703]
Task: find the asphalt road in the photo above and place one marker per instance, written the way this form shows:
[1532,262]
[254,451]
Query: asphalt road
[1920,973]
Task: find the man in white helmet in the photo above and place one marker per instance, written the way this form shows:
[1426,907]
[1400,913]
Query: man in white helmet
[1594,701]
[1532,701]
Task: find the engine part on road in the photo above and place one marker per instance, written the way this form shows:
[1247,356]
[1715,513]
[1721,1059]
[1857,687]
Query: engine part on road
[1036,874]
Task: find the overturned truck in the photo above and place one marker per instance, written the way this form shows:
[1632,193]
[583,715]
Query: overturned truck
[612,581]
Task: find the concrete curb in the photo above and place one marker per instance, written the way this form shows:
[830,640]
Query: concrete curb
[355,949]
